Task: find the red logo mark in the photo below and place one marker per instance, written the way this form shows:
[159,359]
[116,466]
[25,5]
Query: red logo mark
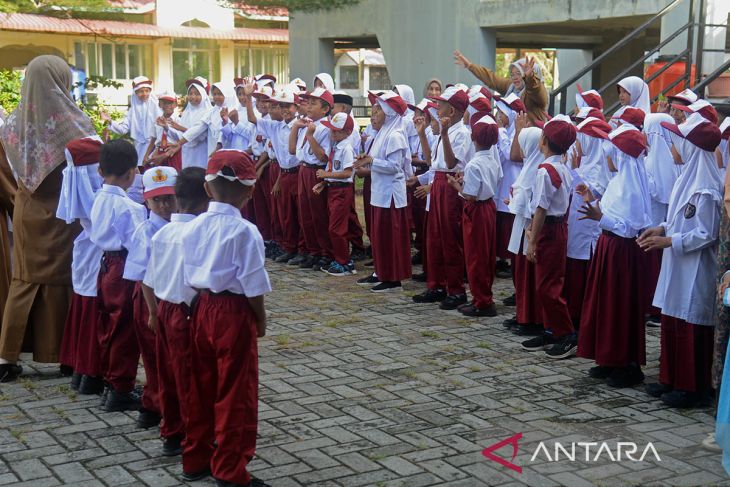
[512,440]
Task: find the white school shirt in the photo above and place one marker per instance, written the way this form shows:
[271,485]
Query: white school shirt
[481,176]
[342,158]
[139,254]
[224,252]
[237,136]
[304,151]
[582,234]
[114,218]
[687,287]
[85,264]
[552,196]
[388,177]
[164,271]
[173,136]
[510,169]
[461,145]
[355,140]
[277,131]
[122,128]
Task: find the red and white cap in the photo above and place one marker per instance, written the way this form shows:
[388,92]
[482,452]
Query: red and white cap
[725,128]
[158,181]
[322,94]
[478,102]
[703,107]
[594,127]
[266,79]
[474,89]
[559,130]
[287,94]
[84,151]
[631,115]
[627,138]
[265,92]
[167,95]
[511,102]
[686,96]
[484,129]
[421,105]
[588,98]
[198,81]
[698,130]
[588,112]
[389,98]
[455,97]
[340,122]
[233,165]
[141,82]
[299,83]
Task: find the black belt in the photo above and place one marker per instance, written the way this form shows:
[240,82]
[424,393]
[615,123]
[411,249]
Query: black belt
[313,166]
[554,220]
[338,184]
[291,170]
[481,202]
[222,293]
[116,253]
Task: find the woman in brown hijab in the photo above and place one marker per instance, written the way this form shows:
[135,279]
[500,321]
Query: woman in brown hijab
[34,138]
[525,81]
[7,200]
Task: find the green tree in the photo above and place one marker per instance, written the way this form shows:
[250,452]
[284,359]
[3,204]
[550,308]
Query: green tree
[292,5]
[55,7]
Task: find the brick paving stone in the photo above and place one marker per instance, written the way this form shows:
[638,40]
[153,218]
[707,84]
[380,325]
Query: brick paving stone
[365,390]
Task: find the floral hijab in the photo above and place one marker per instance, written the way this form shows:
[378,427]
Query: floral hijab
[47,118]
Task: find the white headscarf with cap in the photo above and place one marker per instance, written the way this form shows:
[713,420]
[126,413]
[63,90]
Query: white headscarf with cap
[627,194]
[639,92]
[143,115]
[327,81]
[78,189]
[385,143]
[593,169]
[700,174]
[661,171]
[529,140]
[192,114]
[503,106]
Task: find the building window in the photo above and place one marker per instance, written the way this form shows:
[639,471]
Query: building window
[194,57]
[349,78]
[259,60]
[379,79]
[114,61]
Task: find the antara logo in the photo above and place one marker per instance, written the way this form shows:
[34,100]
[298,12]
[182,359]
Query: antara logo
[589,451]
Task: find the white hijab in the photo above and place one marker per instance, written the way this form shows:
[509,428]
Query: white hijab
[627,194]
[503,106]
[143,117]
[661,171]
[529,140]
[327,81]
[406,92]
[520,65]
[699,171]
[639,92]
[384,142]
[193,114]
[229,91]
[593,169]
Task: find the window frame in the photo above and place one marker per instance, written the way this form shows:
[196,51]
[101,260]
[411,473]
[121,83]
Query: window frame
[98,49]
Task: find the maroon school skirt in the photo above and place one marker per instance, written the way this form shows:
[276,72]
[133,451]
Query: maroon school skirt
[505,220]
[391,243]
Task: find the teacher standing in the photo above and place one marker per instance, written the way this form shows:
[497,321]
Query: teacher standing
[34,138]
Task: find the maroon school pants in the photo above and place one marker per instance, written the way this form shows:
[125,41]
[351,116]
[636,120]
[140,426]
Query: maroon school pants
[574,289]
[117,339]
[685,361]
[67,353]
[339,202]
[222,401]
[418,214]
[528,308]
[313,213]
[552,249]
[391,243]
[480,249]
[367,207]
[84,312]
[444,239]
[173,366]
[277,232]
[287,209]
[146,340]
[505,221]
[354,229]
[262,203]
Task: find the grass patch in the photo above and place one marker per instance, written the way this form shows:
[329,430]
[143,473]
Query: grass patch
[429,334]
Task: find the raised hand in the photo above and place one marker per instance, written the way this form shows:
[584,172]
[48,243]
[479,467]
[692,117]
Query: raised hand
[461,60]
[590,212]
[521,121]
[233,115]
[529,66]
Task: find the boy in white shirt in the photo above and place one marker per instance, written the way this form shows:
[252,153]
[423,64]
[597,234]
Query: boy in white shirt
[114,217]
[338,177]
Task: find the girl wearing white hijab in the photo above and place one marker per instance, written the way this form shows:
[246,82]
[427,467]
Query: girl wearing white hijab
[528,311]
[324,80]
[612,326]
[634,92]
[389,157]
[686,289]
[223,95]
[406,92]
[194,141]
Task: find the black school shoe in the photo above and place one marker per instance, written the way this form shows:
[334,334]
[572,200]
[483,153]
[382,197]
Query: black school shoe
[76,381]
[685,399]
[91,385]
[309,262]
[625,376]
[471,310]
[322,263]
[387,287]
[122,401]
[252,483]
[371,280]
[148,419]
[510,323]
[565,346]
[510,301]
[358,254]
[528,329]
[657,389]
[430,296]
[285,257]
[600,372]
[297,259]
[172,447]
[65,370]
[10,372]
[538,343]
[453,301]
[195,476]
[417,259]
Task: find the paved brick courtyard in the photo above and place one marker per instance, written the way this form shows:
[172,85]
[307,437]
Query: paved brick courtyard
[359,389]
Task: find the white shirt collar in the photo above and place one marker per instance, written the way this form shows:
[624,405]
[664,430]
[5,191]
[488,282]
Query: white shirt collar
[181,217]
[110,188]
[456,126]
[157,220]
[223,209]
[554,160]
